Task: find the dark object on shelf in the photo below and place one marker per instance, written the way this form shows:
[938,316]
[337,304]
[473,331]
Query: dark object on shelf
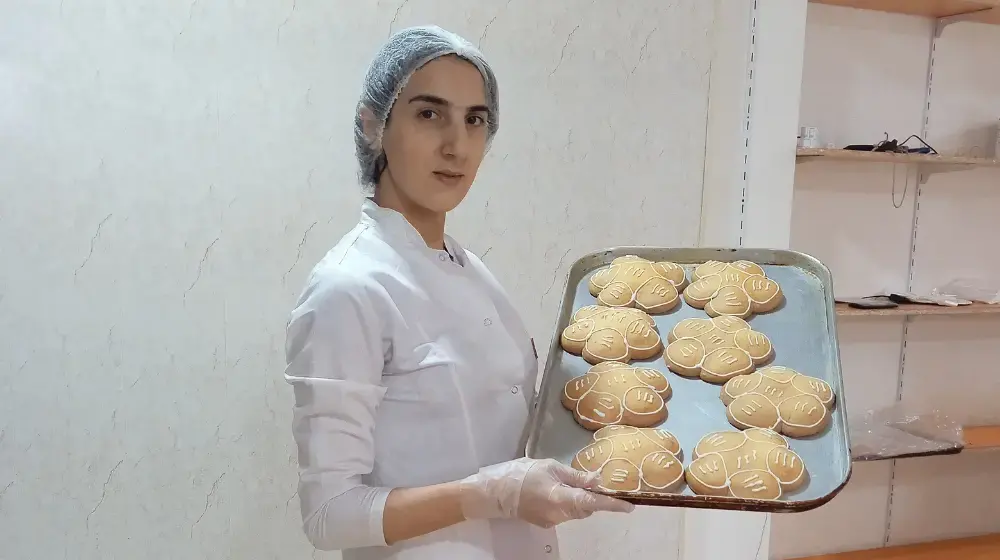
[914,298]
[894,146]
[889,146]
[871,302]
[903,298]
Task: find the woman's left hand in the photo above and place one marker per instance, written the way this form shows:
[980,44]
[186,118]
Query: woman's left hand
[543,492]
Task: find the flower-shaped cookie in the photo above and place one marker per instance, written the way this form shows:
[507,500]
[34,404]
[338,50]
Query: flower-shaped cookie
[632,281]
[739,289]
[716,349]
[615,393]
[611,334]
[780,399]
[633,459]
[756,464]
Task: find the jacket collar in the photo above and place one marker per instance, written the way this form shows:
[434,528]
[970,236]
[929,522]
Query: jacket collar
[396,228]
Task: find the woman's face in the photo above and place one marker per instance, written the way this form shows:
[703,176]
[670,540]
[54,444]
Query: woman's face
[435,138]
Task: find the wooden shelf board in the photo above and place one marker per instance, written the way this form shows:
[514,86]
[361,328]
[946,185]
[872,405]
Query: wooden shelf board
[927,8]
[844,310]
[986,547]
[991,17]
[813,154]
[982,437]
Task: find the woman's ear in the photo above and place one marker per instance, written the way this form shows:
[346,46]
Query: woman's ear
[369,124]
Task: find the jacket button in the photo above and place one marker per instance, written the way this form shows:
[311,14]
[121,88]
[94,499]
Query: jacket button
[514,390]
[548,548]
[442,257]
[487,321]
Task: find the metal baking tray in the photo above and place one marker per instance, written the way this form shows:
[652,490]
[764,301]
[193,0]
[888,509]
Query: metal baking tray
[804,335]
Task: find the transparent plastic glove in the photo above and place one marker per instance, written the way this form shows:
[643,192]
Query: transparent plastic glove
[543,492]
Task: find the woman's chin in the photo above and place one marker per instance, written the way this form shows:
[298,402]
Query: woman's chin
[445,199]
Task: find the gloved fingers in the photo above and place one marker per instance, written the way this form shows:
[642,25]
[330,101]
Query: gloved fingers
[575,478]
[578,503]
[599,502]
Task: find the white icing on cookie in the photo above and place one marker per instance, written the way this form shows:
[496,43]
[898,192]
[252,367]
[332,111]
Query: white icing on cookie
[745,455]
[779,398]
[654,449]
[612,392]
[709,468]
[632,281]
[618,334]
[736,289]
[716,349]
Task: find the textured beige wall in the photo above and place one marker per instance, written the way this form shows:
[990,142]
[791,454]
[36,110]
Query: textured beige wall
[170,171]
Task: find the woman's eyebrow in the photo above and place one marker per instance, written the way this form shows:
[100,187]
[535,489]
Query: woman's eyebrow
[432,99]
[440,101]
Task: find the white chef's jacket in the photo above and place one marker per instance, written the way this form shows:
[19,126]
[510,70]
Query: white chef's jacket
[410,367]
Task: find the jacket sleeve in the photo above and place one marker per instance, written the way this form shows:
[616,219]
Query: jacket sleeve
[335,352]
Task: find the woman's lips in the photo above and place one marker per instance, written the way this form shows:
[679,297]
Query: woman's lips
[449,177]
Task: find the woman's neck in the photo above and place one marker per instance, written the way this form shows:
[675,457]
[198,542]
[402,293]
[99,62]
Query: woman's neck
[429,224]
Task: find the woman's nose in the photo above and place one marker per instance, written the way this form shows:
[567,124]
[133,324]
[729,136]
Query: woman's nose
[455,141]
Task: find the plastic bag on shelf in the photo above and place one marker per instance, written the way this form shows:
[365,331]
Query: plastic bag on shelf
[970,289]
[898,431]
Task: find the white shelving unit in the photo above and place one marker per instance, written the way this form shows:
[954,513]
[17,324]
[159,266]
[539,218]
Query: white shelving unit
[905,67]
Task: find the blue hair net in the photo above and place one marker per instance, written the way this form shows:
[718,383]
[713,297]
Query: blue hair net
[402,55]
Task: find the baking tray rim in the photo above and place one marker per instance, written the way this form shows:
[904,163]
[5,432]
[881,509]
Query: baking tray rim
[723,254]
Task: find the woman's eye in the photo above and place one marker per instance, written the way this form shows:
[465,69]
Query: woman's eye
[476,120]
[427,114]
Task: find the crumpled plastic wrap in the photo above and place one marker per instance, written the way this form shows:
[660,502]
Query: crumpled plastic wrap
[899,431]
[972,289]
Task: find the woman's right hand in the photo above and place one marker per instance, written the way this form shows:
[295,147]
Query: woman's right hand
[543,492]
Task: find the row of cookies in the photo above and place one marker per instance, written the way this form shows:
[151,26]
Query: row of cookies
[737,289]
[775,398]
[754,464]
[715,349]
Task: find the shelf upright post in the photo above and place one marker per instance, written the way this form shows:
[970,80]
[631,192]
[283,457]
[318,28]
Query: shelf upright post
[922,176]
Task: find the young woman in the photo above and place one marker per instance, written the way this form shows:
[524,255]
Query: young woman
[413,374]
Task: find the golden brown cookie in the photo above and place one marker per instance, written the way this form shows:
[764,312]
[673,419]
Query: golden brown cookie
[613,393]
[633,459]
[754,464]
[738,289]
[780,399]
[611,334]
[632,281]
[716,349]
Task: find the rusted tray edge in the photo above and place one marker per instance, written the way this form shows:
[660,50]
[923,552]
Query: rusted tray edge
[690,256]
[725,502]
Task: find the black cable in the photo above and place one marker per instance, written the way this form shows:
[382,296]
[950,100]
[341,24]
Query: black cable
[906,186]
